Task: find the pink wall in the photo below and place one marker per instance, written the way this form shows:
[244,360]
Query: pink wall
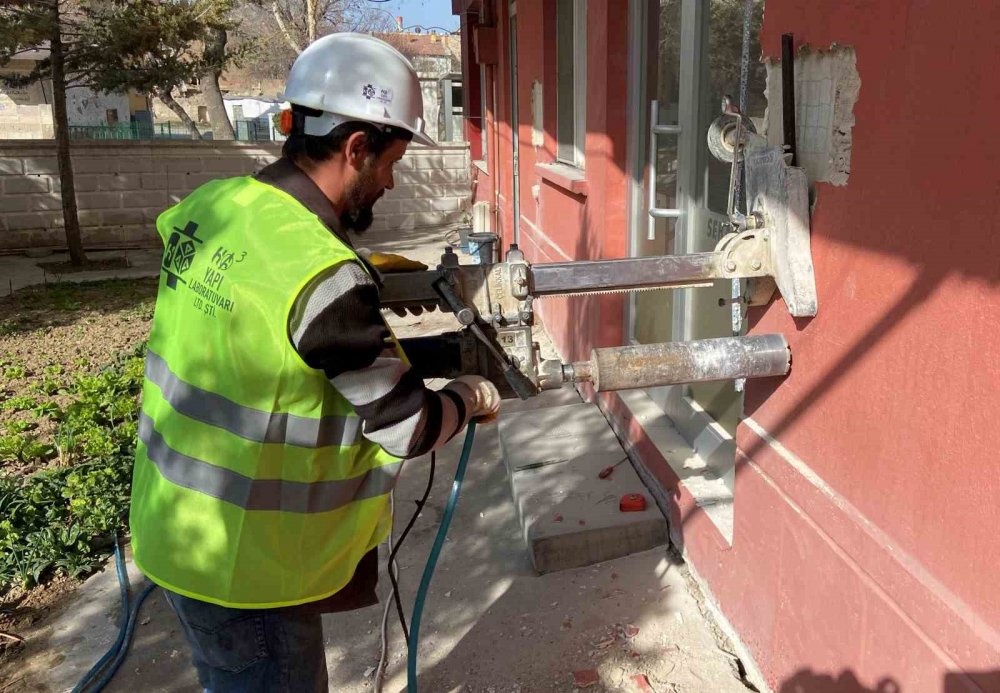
[868,550]
[562,225]
[890,396]
[865,547]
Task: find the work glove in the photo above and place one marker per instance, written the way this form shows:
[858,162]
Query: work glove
[480,396]
[393,263]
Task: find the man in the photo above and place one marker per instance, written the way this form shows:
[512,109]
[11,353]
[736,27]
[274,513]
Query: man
[277,405]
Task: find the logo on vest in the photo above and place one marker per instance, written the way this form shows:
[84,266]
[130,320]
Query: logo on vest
[180,252]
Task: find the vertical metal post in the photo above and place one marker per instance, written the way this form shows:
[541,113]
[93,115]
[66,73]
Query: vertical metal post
[637,130]
[694,35]
[514,122]
[447,107]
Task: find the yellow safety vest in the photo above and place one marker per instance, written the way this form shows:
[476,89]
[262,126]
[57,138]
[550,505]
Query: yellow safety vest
[253,486]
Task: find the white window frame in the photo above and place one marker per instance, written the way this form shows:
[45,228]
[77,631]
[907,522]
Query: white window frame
[572,153]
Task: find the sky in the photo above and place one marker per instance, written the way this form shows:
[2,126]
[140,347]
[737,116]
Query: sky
[426,13]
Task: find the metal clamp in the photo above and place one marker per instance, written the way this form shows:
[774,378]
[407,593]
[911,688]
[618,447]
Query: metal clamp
[745,254]
[518,381]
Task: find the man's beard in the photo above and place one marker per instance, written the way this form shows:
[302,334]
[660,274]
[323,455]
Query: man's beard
[359,215]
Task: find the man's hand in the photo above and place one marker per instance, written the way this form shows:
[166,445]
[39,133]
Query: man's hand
[485,401]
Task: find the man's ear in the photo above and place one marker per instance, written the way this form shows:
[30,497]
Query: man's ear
[355,150]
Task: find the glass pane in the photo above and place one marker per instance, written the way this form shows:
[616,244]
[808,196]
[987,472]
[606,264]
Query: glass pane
[668,75]
[654,310]
[668,63]
[725,47]
[564,79]
[710,308]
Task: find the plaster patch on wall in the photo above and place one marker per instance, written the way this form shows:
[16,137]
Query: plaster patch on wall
[537,134]
[86,107]
[827,85]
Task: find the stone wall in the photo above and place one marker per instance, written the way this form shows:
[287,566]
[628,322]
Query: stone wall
[123,186]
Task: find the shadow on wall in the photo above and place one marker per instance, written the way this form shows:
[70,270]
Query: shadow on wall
[961,682]
[808,681]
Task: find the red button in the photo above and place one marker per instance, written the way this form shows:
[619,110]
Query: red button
[632,502]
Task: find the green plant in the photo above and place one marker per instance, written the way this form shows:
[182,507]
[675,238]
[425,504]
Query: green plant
[20,445]
[14,372]
[49,410]
[60,519]
[19,403]
[8,327]
[49,385]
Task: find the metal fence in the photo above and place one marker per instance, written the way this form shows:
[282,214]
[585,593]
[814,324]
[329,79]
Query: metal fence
[246,131]
[136,130]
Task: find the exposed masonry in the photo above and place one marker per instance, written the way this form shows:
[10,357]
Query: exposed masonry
[123,186]
[827,86]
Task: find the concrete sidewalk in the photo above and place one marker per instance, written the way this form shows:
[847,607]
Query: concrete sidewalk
[491,624]
[19,271]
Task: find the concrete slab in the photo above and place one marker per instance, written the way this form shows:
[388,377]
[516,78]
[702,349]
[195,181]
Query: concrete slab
[569,516]
[546,400]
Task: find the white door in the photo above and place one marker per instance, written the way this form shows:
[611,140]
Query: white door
[686,58]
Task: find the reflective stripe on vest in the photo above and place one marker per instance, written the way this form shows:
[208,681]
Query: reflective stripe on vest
[262,494]
[252,424]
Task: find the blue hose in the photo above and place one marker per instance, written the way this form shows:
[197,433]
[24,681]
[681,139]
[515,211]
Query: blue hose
[425,581]
[122,620]
[126,626]
[123,650]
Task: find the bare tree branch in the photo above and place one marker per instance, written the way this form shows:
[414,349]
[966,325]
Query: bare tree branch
[284,28]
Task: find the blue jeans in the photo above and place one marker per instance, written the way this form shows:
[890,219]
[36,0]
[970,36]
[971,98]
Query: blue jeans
[248,650]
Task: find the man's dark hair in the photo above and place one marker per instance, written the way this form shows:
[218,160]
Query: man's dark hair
[317,149]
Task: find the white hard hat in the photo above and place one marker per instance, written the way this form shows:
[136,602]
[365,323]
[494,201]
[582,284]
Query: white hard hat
[353,77]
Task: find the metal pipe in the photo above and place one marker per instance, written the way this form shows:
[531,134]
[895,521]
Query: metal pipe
[654,117]
[629,274]
[674,363]
[665,214]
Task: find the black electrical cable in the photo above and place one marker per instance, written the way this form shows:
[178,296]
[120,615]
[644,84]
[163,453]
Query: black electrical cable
[402,537]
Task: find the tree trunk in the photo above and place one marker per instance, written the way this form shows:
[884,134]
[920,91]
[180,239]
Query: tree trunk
[71,217]
[168,100]
[311,19]
[215,52]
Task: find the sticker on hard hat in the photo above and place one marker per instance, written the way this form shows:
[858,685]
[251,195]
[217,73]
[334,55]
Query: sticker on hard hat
[373,92]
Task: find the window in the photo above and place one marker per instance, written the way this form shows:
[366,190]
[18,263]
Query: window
[202,114]
[111,115]
[482,114]
[571,80]
[450,118]
[238,112]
